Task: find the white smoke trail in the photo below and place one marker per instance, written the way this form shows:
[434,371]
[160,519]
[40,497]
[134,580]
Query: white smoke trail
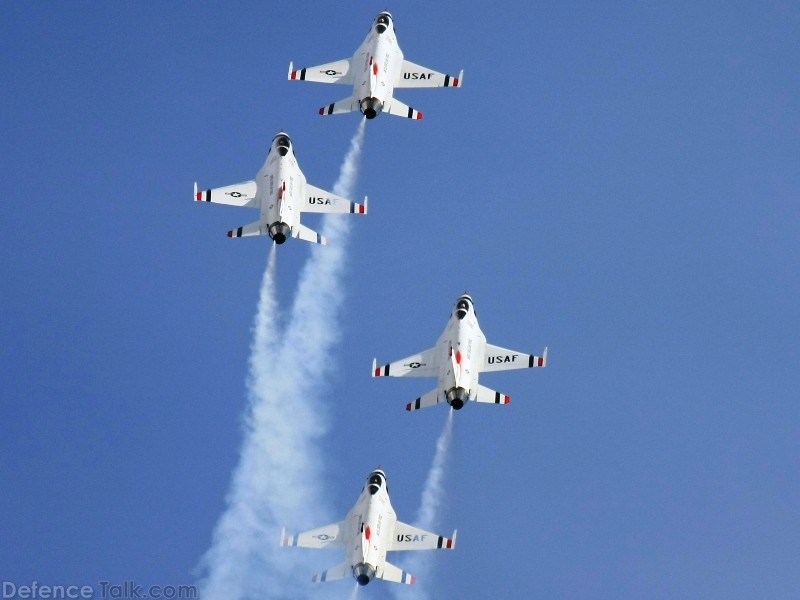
[419,564]
[354,593]
[277,480]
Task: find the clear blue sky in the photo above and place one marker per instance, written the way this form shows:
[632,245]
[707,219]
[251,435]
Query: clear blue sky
[620,183]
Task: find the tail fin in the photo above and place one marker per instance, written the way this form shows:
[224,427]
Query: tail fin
[396,574]
[338,572]
[432,398]
[490,396]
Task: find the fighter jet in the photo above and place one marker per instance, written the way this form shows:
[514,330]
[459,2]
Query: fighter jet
[281,193]
[375,70]
[369,531]
[458,357]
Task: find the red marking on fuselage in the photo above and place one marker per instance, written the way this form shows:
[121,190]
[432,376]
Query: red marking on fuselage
[458,357]
[367,533]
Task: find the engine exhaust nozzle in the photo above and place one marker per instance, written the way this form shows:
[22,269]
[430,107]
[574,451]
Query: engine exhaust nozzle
[371,107]
[363,573]
[279,232]
[456,397]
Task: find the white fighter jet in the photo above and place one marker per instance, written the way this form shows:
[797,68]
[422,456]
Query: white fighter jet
[458,357]
[375,70]
[369,531]
[281,193]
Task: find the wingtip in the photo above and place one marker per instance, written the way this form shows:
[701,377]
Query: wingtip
[461,78]
[455,535]
[283,536]
[291,70]
[374,367]
[366,204]
[544,357]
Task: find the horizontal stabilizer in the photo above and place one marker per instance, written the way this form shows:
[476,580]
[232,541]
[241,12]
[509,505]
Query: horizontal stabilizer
[346,105]
[393,106]
[338,572]
[256,228]
[305,233]
[396,574]
[490,396]
[432,398]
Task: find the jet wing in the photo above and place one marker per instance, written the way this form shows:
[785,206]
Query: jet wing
[337,71]
[501,359]
[321,537]
[408,537]
[422,364]
[417,76]
[238,194]
[323,201]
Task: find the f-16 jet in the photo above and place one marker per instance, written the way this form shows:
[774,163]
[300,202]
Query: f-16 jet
[460,355]
[369,531]
[374,71]
[281,193]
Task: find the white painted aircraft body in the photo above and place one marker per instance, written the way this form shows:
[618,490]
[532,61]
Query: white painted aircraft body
[369,531]
[460,355]
[280,191]
[374,71]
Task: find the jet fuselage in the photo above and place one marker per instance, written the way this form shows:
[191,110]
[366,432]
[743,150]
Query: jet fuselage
[460,351]
[381,60]
[370,526]
[281,188]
